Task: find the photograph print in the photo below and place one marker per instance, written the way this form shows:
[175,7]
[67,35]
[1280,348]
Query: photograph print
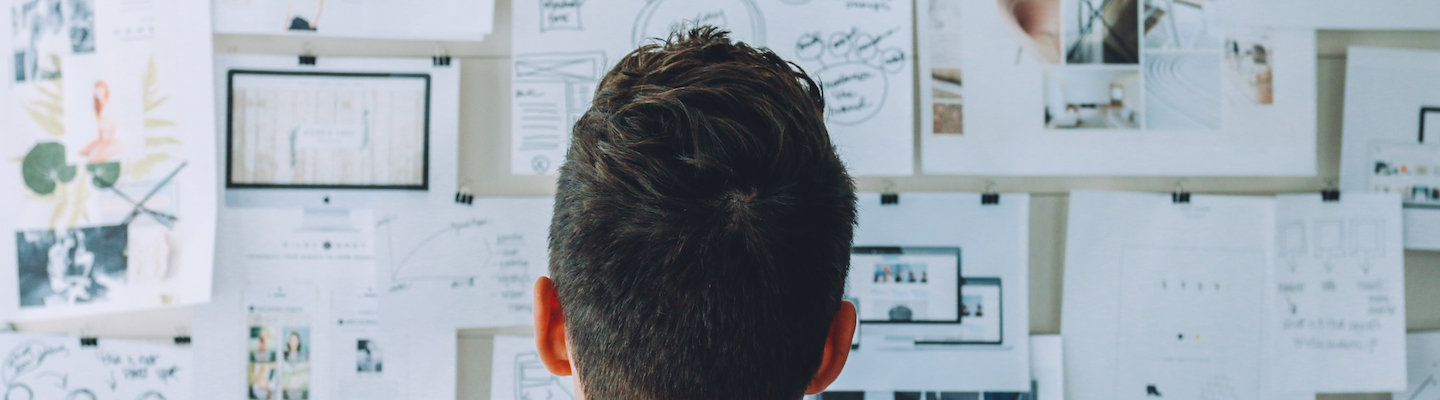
[1092,98]
[74,266]
[1100,31]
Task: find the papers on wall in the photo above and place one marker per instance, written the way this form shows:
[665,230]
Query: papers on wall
[516,373]
[1132,87]
[59,367]
[1423,355]
[462,266]
[390,19]
[993,242]
[276,248]
[344,133]
[1047,367]
[1160,297]
[859,51]
[1392,101]
[1337,14]
[919,395]
[1339,287]
[280,342]
[107,156]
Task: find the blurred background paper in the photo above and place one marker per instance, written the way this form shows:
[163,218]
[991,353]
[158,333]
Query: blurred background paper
[1423,354]
[387,19]
[518,374]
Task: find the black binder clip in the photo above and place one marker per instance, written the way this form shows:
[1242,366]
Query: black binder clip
[442,56]
[89,342]
[1180,196]
[990,197]
[889,197]
[307,56]
[464,196]
[1330,195]
[182,340]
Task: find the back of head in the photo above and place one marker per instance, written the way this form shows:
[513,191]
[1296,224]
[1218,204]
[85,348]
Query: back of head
[702,226]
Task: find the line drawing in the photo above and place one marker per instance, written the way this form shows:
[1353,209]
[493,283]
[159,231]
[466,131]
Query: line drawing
[462,241]
[561,15]
[534,382]
[1329,238]
[661,17]
[853,71]
[551,92]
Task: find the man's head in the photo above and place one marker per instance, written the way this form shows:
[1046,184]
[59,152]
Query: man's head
[702,231]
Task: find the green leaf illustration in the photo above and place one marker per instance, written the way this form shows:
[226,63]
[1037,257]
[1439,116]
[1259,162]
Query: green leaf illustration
[44,166]
[158,123]
[49,110]
[105,174]
[151,81]
[157,141]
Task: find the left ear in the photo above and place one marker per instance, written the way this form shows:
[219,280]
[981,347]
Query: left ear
[837,348]
[550,339]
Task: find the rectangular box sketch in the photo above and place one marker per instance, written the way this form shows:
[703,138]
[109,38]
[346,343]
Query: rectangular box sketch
[551,91]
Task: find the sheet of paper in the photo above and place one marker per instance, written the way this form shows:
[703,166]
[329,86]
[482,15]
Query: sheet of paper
[60,367]
[279,326]
[108,157]
[1047,367]
[1033,87]
[1160,297]
[1422,352]
[993,242]
[290,129]
[369,359]
[388,19]
[1337,14]
[273,247]
[860,51]
[462,266]
[1392,100]
[516,373]
[1338,296]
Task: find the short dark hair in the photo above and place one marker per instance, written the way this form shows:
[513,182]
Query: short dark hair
[702,226]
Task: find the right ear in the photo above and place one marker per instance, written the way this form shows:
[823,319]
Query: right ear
[550,339]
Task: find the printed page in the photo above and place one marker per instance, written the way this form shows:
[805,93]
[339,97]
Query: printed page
[369,360]
[1047,367]
[1337,304]
[59,367]
[516,373]
[1392,101]
[387,19]
[109,151]
[988,350]
[860,51]
[279,319]
[1160,296]
[1423,365]
[1337,14]
[462,266]
[1036,87]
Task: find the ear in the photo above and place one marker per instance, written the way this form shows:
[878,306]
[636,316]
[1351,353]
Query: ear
[550,339]
[837,348]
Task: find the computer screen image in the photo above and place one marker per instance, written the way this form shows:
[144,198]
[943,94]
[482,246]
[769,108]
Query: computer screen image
[981,311]
[906,284]
[327,130]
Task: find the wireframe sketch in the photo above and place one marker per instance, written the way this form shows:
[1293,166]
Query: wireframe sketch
[38,367]
[560,14]
[1330,238]
[1100,31]
[854,68]
[1182,25]
[70,266]
[1249,78]
[1292,239]
[661,17]
[1092,98]
[534,382]
[551,92]
[300,129]
[1367,237]
[1182,91]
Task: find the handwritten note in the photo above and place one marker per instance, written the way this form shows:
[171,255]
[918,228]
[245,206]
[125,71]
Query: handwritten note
[860,51]
[1337,308]
[58,367]
[461,266]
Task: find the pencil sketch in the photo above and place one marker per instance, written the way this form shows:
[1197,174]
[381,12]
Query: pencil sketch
[62,368]
[854,66]
[560,14]
[551,92]
[534,382]
[464,253]
[659,18]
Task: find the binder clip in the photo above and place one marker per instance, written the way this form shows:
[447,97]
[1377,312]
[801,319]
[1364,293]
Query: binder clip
[990,197]
[1331,194]
[464,196]
[1180,196]
[442,56]
[888,196]
[307,55]
[182,338]
[89,342]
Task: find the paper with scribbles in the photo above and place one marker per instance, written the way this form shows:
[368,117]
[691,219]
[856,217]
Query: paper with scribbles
[60,367]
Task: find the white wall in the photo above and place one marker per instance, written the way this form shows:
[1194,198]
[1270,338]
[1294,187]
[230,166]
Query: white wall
[484,162]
